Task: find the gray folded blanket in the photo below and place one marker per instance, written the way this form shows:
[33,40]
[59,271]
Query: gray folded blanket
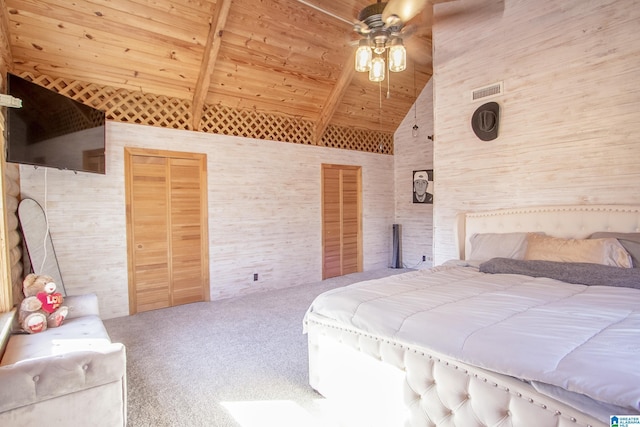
[570,272]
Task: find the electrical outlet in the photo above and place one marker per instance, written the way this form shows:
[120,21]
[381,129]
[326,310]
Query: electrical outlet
[424,257]
[255,277]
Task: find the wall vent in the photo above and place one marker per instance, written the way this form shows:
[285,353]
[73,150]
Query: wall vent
[493,89]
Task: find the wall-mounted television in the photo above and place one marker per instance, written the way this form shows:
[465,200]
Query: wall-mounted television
[53,130]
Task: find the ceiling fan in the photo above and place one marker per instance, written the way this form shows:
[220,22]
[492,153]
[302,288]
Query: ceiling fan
[382,26]
[383,29]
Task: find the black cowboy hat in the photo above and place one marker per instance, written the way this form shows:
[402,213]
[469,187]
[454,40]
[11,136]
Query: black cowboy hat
[485,121]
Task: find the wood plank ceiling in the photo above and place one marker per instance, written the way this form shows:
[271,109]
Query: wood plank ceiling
[278,56]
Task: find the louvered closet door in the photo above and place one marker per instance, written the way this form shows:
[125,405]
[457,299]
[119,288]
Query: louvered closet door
[166,229]
[149,226]
[350,221]
[187,243]
[331,224]
[341,220]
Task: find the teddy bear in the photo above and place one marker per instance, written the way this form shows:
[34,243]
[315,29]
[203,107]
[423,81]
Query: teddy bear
[42,306]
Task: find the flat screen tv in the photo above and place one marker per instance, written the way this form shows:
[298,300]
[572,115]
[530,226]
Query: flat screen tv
[53,130]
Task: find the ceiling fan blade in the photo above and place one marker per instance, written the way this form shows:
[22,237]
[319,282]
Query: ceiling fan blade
[485,9]
[402,10]
[326,12]
[361,27]
[419,49]
[419,25]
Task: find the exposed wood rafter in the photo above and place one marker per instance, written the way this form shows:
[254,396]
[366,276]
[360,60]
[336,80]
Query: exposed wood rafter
[335,97]
[211,49]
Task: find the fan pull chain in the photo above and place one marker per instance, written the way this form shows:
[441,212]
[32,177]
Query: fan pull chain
[388,78]
[380,147]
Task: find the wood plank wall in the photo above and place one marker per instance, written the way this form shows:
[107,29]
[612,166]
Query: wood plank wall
[264,212]
[14,238]
[569,115]
[414,153]
[11,247]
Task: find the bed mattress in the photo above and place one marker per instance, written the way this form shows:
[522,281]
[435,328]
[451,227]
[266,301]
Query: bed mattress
[584,340]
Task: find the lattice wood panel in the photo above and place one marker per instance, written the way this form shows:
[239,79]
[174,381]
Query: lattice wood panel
[254,124]
[157,110]
[358,139]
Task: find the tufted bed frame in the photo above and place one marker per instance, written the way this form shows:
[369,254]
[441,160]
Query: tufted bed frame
[381,382]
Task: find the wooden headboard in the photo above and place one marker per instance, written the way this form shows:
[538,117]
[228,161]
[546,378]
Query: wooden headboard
[577,221]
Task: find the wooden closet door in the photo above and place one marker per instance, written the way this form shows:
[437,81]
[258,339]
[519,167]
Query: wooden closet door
[149,273]
[341,220]
[187,243]
[166,228]
[351,259]
[331,223]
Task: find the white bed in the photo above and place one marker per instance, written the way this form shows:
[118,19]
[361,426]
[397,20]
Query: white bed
[376,348]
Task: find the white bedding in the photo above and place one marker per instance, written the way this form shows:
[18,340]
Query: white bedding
[585,339]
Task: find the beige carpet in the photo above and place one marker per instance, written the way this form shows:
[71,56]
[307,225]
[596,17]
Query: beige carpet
[240,362]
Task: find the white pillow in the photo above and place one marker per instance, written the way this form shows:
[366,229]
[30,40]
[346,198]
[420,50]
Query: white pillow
[485,246]
[606,251]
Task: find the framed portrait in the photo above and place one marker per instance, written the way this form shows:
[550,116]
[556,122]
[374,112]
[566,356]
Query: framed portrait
[423,186]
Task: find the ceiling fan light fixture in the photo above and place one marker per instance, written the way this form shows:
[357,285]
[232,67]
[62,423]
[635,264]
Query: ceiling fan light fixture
[380,46]
[376,73]
[363,56]
[381,25]
[397,56]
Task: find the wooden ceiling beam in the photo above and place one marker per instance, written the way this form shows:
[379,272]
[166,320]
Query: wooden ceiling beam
[211,50]
[6,59]
[335,97]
